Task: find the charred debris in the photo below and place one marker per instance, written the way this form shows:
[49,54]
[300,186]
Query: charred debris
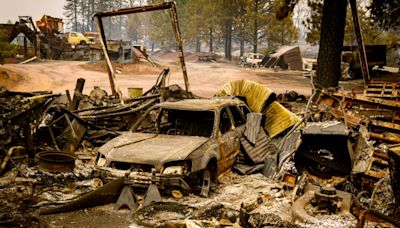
[331,161]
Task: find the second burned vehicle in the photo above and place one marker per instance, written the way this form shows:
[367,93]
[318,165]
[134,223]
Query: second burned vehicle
[184,144]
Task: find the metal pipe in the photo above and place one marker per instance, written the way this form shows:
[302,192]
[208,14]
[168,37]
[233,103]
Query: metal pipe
[112,109]
[137,109]
[175,25]
[111,74]
[140,9]
[361,47]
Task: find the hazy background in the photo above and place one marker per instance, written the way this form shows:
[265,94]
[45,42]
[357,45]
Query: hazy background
[11,9]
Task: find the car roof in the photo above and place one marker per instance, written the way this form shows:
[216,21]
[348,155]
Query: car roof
[212,104]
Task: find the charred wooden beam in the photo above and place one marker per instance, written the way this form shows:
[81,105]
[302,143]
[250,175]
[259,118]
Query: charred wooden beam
[80,83]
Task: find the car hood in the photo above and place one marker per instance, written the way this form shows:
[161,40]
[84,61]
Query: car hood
[150,149]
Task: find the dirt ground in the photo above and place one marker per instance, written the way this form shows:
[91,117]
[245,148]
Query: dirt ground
[204,78]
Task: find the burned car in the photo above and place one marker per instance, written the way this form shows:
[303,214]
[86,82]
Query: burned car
[185,143]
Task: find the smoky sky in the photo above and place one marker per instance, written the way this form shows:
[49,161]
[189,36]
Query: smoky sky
[11,9]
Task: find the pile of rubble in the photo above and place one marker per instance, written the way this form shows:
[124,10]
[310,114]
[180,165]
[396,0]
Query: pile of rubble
[324,166]
[48,142]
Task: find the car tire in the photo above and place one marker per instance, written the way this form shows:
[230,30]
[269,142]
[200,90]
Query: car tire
[83,42]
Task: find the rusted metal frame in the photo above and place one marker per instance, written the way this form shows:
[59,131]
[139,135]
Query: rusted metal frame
[361,47]
[175,25]
[112,109]
[53,139]
[136,125]
[115,106]
[162,6]
[96,108]
[70,126]
[79,119]
[69,123]
[137,109]
[140,9]
[111,73]
[161,82]
[357,98]
[381,216]
[76,117]
[384,124]
[143,97]
[391,139]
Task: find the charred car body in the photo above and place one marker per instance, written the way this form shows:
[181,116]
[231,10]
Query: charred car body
[176,143]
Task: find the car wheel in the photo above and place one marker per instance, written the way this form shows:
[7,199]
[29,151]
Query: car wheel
[82,42]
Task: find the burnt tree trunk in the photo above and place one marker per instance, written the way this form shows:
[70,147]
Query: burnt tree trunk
[198,42]
[92,26]
[211,39]
[331,43]
[242,28]
[255,31]
[88,14]
[75,16]
[83,20]
[228,40]
[241,42]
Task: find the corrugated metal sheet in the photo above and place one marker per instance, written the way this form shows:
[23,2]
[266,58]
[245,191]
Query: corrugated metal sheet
[255,93]
[253,124]
[278,119]
[292,142]
[261,149]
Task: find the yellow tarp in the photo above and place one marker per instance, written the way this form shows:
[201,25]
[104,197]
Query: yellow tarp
[255,93]
[278,118]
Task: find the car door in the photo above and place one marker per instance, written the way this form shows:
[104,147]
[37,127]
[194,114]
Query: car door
[228,140]
[72,38]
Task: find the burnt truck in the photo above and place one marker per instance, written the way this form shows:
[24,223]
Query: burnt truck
[251,60]
[184,144]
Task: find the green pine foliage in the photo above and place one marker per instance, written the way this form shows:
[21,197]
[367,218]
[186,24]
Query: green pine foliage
[6,49]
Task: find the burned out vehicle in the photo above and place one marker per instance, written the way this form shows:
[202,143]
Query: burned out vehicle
[183,144]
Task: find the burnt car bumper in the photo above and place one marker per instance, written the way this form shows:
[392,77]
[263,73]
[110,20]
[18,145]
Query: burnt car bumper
[144,179]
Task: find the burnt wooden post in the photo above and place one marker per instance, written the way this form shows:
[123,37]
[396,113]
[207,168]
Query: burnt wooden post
[25,47]
[37,46]
[77,94]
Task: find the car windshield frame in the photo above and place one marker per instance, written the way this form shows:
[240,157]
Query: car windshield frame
[154,120]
